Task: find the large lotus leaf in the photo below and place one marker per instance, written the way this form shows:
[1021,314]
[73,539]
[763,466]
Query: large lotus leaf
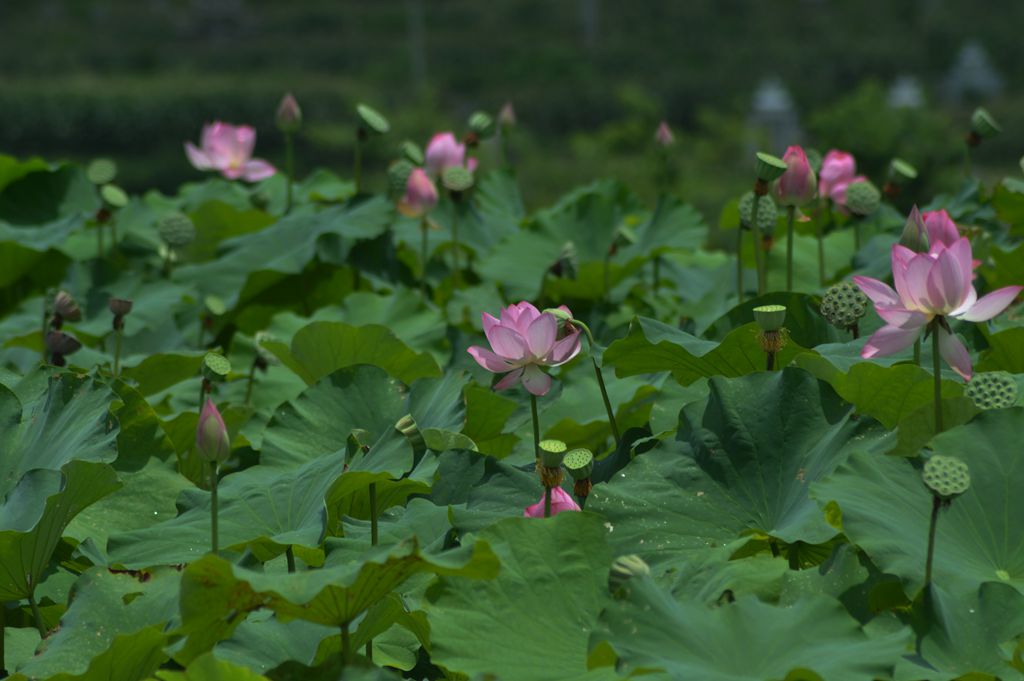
[384,464]
[19,644]
[263,642]
[159,372]
[746,640]
[439,402]
[498,205]
[46,195]
[349,583]
[483,490]
[764,439]
[588,217]
[520,262]
[12,169]
[885,508]
[652,346]
[113,628]
[284,248]
[533,622]
[323,347]
[34,517]
[261,508]
[886,393]
[319,421]
[1006,352]
[967,634]
[672,225]
[68,420]
[206,667]
[216,221]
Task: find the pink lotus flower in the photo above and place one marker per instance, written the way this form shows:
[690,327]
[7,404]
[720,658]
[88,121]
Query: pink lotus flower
[797,185]
[837,168]
[444,151]
[523,341]
[228,149]
[930,285]
[560,501]
[212,440]
[663,135]
[940,227]
[420,195]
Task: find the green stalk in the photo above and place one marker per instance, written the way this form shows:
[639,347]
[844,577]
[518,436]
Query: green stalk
[856,235]
[373,514]
[936,505]
[455,245]
[289,164]
[36,615]
[249,381]
[357,162]
[3,627]
[607,403]
[423,257]
[917,351]
[756,230]
[46,326]
[117,352]
[657,271]
[769,361]
[536,426]
[968,171]
[739,263]
[289,555]
[547,502]
[346,646]
[790,215]
[213,506]
[936,369]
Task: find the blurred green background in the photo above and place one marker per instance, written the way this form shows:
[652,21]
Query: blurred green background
[589,80]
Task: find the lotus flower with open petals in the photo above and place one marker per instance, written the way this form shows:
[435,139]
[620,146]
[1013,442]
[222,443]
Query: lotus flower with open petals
[930,285]
[228,149]
[560,501]
[523,341]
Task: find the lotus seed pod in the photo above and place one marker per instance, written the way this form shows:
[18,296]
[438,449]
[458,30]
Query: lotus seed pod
[983,125]
[625,568]
[901,171]
[768,167]
[101,171]
[767,213]
[59,343]
[992,390]
[177,230]
[946,476]
[373,121]
[482,124]
[266,356]
[862,198]
[412,152]
[580,463]
[457,178]
[843,305]
[770,317]
[398,176]
[120,306]
[215,367]
[552,452]
[65,309]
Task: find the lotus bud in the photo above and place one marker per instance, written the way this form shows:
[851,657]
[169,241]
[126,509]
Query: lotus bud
[837,168]
[65,309]
[59,345]
[420,195]
[507,116]
[983,125]
[119,307]
[913,236]
[798,184]
[289,115]
[212,440]
[663,135]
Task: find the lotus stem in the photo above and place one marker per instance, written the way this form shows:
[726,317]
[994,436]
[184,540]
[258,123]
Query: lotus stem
[937,370]
[457,273]
[36,615]
[46,325]
[289,555]
[117,352]
[373,514]
[657,272]
[547,501]
[790,215]
[936,505]
[346,646]
[289,165]
[357,161]
[607,403]
[369,650]
[756,229]
[214,466]
[3,627]
[250,380]
[739,263]
[423,257]
[769,360]
[536,427]
[917,352]
[856,235]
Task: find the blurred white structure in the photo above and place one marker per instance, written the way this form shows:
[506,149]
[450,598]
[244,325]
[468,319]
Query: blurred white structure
[972,77]
[906,93]
[773,113]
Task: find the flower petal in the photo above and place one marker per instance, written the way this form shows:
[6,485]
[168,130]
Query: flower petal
[879,292]
[509,381]
[526,313]
[955,354]
[915,282]
[889,340]
[946,283]
[900,317]
[988,306]
[540,335]
[197,157]
[560,501]
[565,349]
[488,321]
[256,170]
[488,360]
[507,343]
[535,380]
